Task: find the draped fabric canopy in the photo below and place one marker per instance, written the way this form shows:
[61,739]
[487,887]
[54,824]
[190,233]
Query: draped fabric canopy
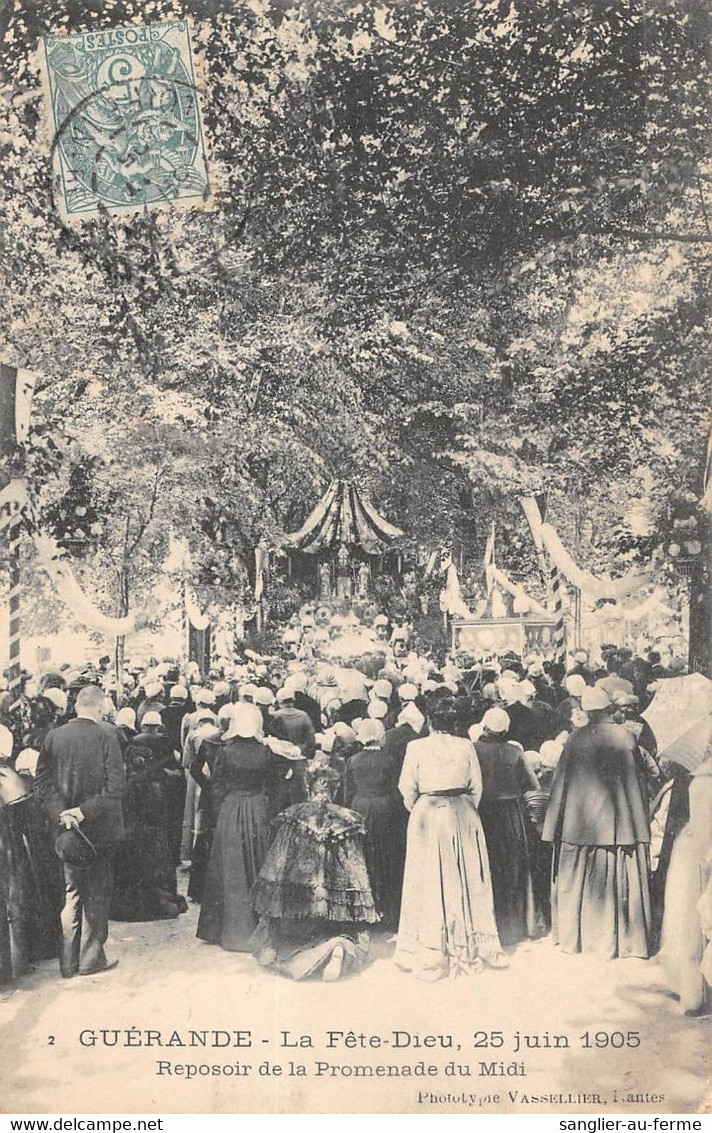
[344,517]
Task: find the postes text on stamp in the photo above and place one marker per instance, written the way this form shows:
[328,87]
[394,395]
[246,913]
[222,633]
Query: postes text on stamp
[125,123]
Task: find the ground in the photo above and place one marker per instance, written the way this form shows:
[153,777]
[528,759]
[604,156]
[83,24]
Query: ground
[168,981]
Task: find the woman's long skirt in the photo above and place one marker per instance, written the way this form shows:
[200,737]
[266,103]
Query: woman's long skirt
[239,847]
[190,819]
[447,923]
[683,938]
[32,882]
[202,844]
[384,853]
[145,885]
[300,949]
[511,848]
[600,901]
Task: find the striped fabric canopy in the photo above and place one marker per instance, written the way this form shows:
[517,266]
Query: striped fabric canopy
[343,516]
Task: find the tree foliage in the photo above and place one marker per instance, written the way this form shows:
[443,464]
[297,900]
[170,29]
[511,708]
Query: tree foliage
[458,251]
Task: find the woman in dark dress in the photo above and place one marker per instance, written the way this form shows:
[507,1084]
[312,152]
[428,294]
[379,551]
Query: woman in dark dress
[368,790]
[144,875]
[597,820]
[30,879]
[243,780]
[205,742]
[313,895]
[510,839]
[125,723]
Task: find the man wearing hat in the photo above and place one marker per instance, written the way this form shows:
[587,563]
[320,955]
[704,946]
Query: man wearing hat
[80,783]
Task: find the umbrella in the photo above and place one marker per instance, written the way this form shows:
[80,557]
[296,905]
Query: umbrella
[680,715]
[690,749]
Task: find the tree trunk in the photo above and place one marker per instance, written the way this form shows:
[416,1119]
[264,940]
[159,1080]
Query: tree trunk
[700,656]
[121,641]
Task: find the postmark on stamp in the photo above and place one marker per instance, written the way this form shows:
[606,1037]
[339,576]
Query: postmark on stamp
[126,127]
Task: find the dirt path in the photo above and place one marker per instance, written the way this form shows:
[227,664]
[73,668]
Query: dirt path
[169,981]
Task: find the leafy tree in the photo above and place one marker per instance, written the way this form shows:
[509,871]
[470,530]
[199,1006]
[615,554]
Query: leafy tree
[458,251]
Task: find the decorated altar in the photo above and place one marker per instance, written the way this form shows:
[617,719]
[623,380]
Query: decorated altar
[348,538]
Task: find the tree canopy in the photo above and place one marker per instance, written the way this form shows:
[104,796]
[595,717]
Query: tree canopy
[458,251]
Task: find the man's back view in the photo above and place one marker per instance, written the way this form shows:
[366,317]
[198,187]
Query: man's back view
[80,782]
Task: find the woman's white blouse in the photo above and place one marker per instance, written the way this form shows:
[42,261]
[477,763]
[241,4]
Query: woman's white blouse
[439,763]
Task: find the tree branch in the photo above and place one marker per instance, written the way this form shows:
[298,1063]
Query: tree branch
[642,234]
[146,519]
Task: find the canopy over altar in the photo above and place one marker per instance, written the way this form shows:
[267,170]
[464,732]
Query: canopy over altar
[344,532]
[344,518]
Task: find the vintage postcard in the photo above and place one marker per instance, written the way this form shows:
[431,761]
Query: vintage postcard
[355,577]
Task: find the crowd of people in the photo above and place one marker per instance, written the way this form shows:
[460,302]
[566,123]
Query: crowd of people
[350,783]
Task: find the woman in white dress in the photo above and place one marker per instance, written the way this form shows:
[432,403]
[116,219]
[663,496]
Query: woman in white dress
[687,919]
[447,925]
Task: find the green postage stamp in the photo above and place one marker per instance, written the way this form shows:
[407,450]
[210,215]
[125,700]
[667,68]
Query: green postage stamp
[125,121]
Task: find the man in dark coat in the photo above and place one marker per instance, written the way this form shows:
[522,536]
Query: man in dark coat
[80,783]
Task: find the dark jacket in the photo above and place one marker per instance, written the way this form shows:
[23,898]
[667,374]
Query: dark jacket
[297,728]
[308,704]
[596,799]
[148,706]
[172,717]
[397,740]
[505,774]
[530,724]
[81,765]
